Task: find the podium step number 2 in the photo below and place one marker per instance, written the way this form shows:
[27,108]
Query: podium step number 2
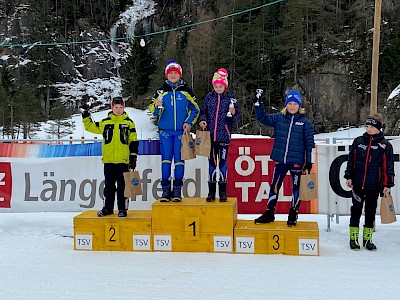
[112,233]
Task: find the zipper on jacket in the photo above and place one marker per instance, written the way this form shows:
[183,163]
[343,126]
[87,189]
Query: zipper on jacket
[216,119]
[288,139]
[173,102]
[366,162]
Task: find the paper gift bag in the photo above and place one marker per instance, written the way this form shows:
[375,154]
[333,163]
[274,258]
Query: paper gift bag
[187,149]
[308,187]
[202,143]
[388,214]
[133,186]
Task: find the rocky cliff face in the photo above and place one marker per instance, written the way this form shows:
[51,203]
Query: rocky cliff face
[330,93]
[334,92]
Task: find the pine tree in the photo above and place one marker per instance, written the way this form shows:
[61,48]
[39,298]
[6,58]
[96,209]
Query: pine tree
[136,72]
[3,109]
[60,122]
[295,41]
[7,84]
[27,110]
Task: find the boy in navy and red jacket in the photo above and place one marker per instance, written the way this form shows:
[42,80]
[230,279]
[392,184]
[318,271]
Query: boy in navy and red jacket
[369,172]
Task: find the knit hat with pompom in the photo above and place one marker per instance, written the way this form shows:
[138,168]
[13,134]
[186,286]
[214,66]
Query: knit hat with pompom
[220,77]
[173,65]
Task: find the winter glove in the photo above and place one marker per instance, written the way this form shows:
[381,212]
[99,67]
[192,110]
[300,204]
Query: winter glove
[132,161]
[85,111]
[307,167]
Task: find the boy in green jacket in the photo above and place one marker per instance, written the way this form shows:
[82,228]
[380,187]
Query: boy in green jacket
[119,148]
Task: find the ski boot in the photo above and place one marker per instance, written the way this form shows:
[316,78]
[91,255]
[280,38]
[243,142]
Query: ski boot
[212,186]
[267,217]
[104,212]
[292,217]
[166,191]
[122,213]
[367,239]
[222,191]
[354,244]
[177,191]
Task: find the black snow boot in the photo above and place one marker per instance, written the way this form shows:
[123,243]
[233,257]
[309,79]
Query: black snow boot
[267,217]
[166,191]
[367,239]
[212,186]
[354,244]
[104,212]
[122,213]
[292,217]
[177,191]
[222,191]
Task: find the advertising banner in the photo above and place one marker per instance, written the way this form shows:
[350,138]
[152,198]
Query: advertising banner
[40,177]
[250,172]
[77,183]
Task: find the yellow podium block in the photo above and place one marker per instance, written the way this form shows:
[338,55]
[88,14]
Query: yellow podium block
[277,238]
[194,225]
[132,233]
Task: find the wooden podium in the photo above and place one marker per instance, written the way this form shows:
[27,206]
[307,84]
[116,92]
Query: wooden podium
[193,225]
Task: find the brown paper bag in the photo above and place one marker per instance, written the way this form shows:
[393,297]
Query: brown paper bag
[202,143]
[133,186]
[388,214]
[187,149]
[308,187]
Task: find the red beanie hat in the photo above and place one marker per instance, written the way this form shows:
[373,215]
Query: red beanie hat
[172,65]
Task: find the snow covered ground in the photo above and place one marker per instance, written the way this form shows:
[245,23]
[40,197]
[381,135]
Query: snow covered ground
[38,262]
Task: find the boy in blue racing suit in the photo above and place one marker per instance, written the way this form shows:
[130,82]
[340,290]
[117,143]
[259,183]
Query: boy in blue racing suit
[176,108]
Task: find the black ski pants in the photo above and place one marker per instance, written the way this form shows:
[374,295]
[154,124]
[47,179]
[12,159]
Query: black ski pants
[367,198]
[114,174]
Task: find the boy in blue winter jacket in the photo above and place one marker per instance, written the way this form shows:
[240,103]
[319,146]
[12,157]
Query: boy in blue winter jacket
[176,108]
[294,141]
[218,114]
